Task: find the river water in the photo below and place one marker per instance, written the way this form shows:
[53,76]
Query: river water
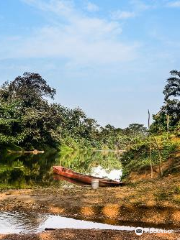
[16,222]
[28,170]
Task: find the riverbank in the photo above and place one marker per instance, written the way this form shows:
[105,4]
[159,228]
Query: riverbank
[152,203]
[71,234]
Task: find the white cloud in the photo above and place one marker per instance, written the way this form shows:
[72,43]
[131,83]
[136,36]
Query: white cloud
[60,7]
[118,15]
[175,4]
[85,42]
[142,6]
[78,38]
[91,7]
[137,6]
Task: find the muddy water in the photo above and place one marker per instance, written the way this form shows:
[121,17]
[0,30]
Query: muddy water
[27,223]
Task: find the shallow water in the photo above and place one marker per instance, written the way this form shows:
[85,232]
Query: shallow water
[16,222]
[28,223]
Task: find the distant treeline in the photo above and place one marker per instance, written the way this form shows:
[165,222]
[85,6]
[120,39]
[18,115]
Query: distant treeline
[29,120]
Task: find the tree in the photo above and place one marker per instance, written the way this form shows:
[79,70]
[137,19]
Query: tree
[171,91]
[169,114]
[29,89]
[136,129]
[11,131]
[39,120]
[172,88]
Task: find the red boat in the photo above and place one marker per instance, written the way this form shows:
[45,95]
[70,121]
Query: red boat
[87,179]
[58,177]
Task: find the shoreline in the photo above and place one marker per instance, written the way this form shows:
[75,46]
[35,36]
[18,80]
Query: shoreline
[136,204]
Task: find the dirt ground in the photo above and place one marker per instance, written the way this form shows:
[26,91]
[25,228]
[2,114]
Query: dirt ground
[154,203]
[90,235]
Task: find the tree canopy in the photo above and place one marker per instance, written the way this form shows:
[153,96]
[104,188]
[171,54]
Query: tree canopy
[29,120]
[169,113]
[26,115]
[172,88]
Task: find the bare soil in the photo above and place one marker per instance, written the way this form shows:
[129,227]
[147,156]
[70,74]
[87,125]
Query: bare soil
[152,203]
[90,235]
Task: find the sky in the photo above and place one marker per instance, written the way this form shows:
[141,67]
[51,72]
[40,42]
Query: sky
[111,58]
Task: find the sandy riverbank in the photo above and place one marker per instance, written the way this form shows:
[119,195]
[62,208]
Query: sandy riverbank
[89,235]
[150,203]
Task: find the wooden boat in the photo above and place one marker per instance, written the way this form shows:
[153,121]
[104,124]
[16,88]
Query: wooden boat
[87,179]
[58,177]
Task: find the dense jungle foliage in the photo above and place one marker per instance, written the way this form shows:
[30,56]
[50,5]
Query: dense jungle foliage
[29,120]
[168,118]
[159,152]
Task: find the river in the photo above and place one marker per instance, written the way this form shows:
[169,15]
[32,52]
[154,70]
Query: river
[29,170]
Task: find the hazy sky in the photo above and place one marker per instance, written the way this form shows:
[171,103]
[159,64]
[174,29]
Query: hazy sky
[109,57]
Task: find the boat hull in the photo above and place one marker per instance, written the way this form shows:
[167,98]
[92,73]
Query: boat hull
[86,179]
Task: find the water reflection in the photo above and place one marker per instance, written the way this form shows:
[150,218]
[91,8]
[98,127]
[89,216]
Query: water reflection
[19,222]
[28,170]
[21,171]
[114,174]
